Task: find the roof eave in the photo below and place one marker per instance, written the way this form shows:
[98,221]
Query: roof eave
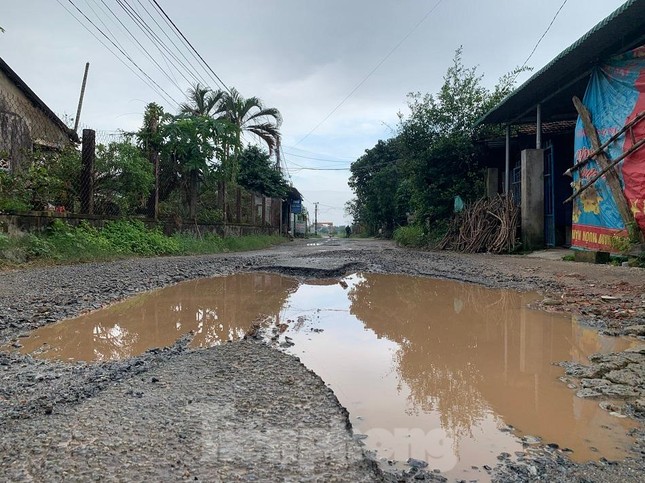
[633,9]
[37,101]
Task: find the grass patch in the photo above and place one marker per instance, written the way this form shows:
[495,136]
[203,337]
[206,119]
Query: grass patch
[410,236]
[119,239]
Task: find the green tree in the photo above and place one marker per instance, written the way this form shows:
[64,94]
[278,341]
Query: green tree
[381,197]
[123,179]
[257,173]
[191,145]
[202,101]
[52,178]
[150,142]
[433,157]
[247,115]
[438,139]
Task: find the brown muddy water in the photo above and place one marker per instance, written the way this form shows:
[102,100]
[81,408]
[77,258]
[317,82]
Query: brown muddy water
[429,369]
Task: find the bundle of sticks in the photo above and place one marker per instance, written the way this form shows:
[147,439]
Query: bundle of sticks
[486,225]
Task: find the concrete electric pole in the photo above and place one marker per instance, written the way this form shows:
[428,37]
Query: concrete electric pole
[316,218]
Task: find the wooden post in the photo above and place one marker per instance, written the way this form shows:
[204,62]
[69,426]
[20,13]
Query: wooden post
[221,201]
[611,177]
[88,155]
[154,159]
[252,215]
[264,210]
[238,206]
[224,199]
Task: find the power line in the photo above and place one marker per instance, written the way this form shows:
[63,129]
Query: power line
[140,45]
[283,159]
[103,23]
[162,30]
[146,79]
[542,37]
[319,154]
[316,159]
[302,168]
[122,51]
[189,44]
[137,24]
[158,42]
[169,23]
[379,64]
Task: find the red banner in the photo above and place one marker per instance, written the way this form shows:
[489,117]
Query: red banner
[598,238]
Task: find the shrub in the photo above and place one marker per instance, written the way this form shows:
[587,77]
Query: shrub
[410,236]
[118,239]
[132,237]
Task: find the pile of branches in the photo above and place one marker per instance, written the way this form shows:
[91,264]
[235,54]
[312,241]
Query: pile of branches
[486,225]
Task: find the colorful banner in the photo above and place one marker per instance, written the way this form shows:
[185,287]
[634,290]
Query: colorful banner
[615,95]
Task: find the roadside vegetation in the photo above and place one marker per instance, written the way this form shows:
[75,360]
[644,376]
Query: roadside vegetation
[196,150]
[62,243]
[405,186]
[410,236]
[202,160]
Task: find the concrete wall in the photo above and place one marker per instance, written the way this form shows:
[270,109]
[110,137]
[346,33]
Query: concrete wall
[21,121]
[532,207]
[492,182]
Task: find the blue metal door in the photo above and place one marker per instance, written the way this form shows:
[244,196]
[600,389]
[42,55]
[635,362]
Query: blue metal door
[516,183]
[549,197]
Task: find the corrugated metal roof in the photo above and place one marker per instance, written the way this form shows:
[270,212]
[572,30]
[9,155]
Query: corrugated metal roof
[548,127]
[567,74]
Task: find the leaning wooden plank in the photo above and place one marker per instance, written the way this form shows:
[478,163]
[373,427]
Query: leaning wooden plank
[639,117]
[611,177]
[635,147]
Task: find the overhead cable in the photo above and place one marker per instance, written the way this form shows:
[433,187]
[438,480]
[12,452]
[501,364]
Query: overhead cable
[370,73]
[160,8]
[141,74]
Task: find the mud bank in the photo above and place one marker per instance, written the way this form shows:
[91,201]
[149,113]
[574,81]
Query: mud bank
[254,395]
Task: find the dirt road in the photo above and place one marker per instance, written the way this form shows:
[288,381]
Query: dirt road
[243,411]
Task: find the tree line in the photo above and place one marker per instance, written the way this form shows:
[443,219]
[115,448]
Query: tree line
[413,177]
[216,136]
[205,143]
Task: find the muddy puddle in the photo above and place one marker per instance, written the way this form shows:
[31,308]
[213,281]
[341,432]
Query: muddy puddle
[434,370]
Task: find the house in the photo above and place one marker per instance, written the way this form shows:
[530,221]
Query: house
[292,211]
[324,227]
[544,137]
[26,122]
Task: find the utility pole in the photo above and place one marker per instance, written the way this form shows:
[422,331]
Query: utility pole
[316,218]
[80,100]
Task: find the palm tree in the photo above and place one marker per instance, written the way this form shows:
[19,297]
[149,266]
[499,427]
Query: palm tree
[248,115]
[252,116]
[202,101]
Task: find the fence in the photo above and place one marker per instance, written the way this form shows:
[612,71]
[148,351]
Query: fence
[111,179]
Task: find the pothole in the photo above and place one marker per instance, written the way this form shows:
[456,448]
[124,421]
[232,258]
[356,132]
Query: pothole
[439,371]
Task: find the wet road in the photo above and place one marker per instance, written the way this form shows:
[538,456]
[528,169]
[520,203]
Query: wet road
[52,395]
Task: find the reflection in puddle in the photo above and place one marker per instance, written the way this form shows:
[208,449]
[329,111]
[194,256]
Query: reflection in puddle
[215,310]
[427,369]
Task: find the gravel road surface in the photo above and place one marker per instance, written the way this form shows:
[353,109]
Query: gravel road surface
[243,411]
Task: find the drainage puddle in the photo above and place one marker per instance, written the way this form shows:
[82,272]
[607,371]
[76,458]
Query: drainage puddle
[434,370]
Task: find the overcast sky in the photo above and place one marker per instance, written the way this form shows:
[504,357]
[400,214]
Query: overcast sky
[301,56]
